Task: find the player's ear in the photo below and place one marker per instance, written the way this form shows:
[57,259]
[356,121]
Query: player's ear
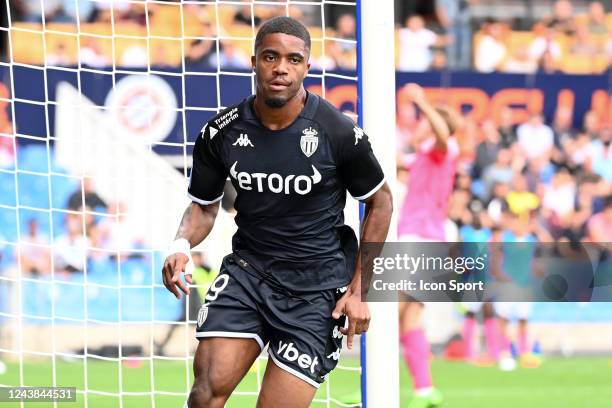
[253,61]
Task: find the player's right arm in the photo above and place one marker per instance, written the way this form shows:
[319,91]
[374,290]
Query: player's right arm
[206,183]
[437,122]
[197,222]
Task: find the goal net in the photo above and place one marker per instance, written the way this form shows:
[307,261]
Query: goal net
[100,104]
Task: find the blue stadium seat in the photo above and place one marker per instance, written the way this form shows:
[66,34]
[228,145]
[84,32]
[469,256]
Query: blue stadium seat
[7,188]
[136,304]
[33,190]
[61,189]
[8,220]
[33,157]
[68,301]
[135,272]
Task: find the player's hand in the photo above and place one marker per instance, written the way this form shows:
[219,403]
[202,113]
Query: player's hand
[174,265]
[357,313]
[415,92]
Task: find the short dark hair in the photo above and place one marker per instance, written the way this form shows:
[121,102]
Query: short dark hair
[283,25]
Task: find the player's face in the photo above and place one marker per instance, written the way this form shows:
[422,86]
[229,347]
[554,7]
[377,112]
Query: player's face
[281,64]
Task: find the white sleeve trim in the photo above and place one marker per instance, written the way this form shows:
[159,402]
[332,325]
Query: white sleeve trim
[235,335]
[204,202]
[371,192]
[292,371]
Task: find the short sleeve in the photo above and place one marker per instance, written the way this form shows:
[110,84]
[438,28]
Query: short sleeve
[358,168]
[208,173]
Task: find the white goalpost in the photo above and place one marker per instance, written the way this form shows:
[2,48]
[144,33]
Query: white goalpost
[94,312]
[377,81]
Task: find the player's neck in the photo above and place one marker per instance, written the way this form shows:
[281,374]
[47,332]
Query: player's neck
[279,118]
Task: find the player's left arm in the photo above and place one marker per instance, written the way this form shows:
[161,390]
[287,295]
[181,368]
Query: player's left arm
[376,220]
[360,172]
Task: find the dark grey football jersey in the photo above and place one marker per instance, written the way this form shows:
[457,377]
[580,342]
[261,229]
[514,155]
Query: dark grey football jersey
[291,186]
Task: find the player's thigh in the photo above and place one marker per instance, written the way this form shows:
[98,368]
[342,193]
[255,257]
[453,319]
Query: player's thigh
[281,389]
[305,340]
[220,363]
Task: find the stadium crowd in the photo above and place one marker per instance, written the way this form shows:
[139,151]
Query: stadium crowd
[572,37]
[558,175]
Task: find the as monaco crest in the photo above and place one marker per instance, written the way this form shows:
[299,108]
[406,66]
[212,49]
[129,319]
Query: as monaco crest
[202,315]
[309,141]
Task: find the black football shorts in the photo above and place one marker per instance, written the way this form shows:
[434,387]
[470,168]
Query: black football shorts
[303,338]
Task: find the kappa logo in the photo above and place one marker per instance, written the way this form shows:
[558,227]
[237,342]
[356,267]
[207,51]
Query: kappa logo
[337,334]
[358,134]
[203,130]
[275,182]
[309,142]
[202,315]
[243,141]
[335,355]
[291,353]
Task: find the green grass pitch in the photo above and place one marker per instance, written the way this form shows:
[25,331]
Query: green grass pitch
[558,383]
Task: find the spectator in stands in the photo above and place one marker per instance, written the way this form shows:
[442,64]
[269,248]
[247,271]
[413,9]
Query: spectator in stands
[86,196]
[134,56]
[415,42]
[455,16]
[578,152]
[601,157]
[583,44]
[559,199]
[491,52]
[506,128]
[34,251]
[346,55]
[520,62]
[81,10]
[500,171]
[49,10]
[545,43]
[230,57]
[498,205]
[563,17]
[438,60]
[535,138]
[59,56]
[600,225]
[592,124]
[520,200]
[91,53]
[562,126]
[70,248]
[245,16]
[102,12]
[597,19]
[548,64]
[137,13]
[202,51]
[486,151]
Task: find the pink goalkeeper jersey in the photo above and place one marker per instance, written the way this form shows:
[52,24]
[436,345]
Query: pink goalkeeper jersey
[432,175]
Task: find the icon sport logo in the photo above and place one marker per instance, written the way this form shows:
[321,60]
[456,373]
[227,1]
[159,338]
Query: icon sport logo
[309,142]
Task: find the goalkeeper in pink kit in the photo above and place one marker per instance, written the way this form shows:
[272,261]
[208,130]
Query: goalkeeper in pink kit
[422,218]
